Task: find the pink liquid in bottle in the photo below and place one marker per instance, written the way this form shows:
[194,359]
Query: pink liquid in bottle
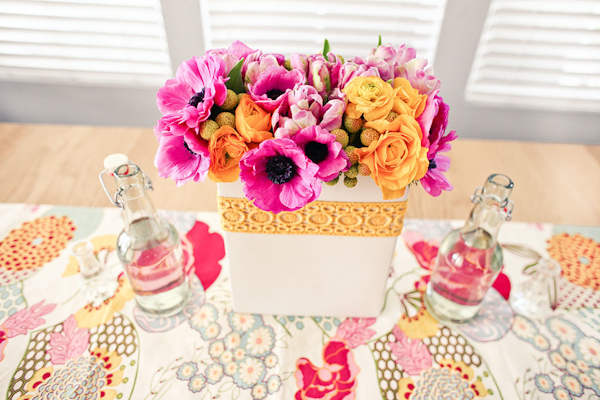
[463,275]
[155,270]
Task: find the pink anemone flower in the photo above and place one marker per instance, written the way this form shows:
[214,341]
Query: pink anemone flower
[321,148]
[198,85]
[279,177]
[437,141]
[183,158]
[272,85]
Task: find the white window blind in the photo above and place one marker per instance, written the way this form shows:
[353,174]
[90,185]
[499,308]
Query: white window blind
[108,42]
[351,26]
[539,54]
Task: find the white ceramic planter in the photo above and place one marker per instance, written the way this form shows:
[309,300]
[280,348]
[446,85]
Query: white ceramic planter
[320,275]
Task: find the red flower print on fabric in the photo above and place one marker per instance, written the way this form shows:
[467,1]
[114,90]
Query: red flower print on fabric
[335,380]
[209,249]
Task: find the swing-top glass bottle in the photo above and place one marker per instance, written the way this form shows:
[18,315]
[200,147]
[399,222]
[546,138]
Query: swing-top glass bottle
[149,247]
[469,259]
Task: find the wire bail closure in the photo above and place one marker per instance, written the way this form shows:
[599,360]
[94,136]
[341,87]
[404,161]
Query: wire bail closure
[116,198]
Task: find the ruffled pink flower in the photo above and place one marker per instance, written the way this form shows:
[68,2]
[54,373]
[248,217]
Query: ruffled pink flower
[303,107]
[322,73]
[183,158]
[350,70]
[384,69]
[321,148]
[420,76]
[198,85]
[257,63]
[437,141]
[272,86]
[386,59]
[279,177]
[394,57]
[170,125]
[233,54]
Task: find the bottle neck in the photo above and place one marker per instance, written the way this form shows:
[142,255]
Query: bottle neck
[137,205]
[482,227]
[139,215]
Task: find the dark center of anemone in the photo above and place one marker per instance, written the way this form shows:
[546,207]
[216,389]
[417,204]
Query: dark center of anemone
[432,164]
[188,148]
[273,94]
[197,98]
[280,169]
[316,151]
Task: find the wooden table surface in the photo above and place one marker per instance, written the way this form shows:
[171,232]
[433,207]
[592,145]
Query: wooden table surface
[54,164]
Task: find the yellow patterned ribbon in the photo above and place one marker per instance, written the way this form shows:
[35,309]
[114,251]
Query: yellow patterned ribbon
[316,218]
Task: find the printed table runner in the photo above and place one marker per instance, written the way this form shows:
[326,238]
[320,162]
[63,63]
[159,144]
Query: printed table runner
[55,346]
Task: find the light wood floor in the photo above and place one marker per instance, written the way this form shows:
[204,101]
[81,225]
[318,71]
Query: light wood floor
[52,164]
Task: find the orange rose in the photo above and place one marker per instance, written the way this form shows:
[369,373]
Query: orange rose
[226,148]
[369,96]
[408,100]
[397,158]
[252,122]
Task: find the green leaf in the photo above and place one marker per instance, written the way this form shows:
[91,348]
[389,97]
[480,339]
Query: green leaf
[235,81]
[326,48]
[379,43]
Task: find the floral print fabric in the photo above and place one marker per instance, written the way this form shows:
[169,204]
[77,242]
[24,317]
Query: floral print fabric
[54,345]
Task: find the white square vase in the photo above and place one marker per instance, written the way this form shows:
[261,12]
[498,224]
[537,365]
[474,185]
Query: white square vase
[311,274]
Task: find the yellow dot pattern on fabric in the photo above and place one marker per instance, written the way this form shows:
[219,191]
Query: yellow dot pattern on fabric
[317,218]
[35,243]
[579,258]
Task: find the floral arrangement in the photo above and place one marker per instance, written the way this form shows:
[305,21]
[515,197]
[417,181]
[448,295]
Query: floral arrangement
[285,126]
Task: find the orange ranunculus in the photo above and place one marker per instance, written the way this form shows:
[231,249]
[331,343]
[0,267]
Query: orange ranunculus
[226,149]
[397,158]
[252,122]
[369,96]
[407,100]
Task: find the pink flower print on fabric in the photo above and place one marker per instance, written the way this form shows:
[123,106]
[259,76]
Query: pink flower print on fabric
[412,354]
[336,379]
[3,341]
[23,321]
[27,319]
[70,343]
[355,331]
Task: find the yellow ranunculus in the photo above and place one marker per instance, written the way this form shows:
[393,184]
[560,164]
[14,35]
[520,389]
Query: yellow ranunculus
[397,158]
[369,96]
[226,149]
[252,122]
[408,100]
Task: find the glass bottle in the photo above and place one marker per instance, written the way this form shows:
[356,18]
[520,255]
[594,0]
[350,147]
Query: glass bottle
[96,282]
[537,296]
[149,246]
[469,259]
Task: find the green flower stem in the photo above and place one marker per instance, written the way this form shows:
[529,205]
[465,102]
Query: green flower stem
[283,326]
[394,283]
[320,327]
